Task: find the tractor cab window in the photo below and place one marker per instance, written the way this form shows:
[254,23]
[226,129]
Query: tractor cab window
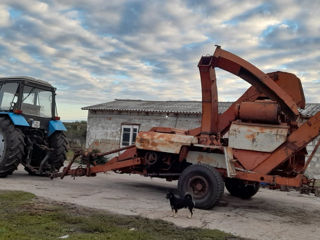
[8,96]
[36,102]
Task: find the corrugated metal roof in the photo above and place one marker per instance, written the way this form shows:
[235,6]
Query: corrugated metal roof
[190,107]
[310,109]
[187,107]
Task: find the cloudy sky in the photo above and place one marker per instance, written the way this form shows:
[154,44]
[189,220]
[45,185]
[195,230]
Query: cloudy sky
[95,51]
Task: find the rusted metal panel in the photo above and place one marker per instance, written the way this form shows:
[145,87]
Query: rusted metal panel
[257,137]
[275,180]
[212,159]
[291,84]
[250,159]
[163,142]
[231,171]
[296,141]
[259,111]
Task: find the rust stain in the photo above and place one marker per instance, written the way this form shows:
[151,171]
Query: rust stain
[251,137]
[163,142]
[200,158]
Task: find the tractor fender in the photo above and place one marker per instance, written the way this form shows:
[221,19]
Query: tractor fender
[16,119]
[55,125]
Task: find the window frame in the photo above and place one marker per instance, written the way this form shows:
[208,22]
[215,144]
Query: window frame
[131,126]
[37,102]
[2,96]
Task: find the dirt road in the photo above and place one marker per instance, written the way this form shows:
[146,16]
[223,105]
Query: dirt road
[269,215]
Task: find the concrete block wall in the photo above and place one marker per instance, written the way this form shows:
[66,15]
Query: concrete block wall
[313,170]
[104,128]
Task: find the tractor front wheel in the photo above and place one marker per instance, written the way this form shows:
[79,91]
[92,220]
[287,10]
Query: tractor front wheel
[240,188]
[12,147]
[204,183]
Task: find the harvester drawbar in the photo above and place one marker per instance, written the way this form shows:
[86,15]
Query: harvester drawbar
[260,138]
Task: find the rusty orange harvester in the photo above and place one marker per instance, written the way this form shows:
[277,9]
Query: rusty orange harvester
[260,138]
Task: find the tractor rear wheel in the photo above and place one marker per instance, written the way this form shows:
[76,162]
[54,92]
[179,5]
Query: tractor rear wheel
[58,142]
[12,147]
[204,183]
[240,188]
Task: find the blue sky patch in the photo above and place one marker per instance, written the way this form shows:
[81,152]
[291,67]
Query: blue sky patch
[14,13]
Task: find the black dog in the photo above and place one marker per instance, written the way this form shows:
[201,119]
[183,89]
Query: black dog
[177,203]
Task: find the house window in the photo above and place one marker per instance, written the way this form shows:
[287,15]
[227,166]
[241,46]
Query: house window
[128,135]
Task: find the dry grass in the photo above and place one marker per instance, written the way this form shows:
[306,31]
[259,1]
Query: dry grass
[24,216]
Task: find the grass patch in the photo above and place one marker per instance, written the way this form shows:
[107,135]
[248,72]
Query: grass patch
[26,217]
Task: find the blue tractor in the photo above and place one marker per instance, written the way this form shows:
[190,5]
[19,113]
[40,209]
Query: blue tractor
[31,133]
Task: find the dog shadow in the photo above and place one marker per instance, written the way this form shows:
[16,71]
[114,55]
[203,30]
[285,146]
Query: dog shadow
[162,191]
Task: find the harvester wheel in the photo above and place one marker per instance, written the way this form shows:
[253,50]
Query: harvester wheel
[240,188]
[11,147]
[204,183]
[58,142]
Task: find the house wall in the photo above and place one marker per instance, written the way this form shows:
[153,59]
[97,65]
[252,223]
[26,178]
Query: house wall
[104,127]
[104,130]
[313,170]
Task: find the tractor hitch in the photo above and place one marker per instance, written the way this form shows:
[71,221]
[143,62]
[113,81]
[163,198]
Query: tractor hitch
[90,159]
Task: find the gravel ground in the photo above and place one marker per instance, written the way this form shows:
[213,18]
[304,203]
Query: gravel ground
[268,215]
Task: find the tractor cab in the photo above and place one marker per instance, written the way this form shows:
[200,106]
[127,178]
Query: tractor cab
[33,98]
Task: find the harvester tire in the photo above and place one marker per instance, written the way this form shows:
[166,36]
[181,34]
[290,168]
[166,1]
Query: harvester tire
[240,188]
[12,147]
[58,142]
[204,183]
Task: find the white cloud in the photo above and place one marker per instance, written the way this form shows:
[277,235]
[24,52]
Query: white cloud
[4,16]
[95,51]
